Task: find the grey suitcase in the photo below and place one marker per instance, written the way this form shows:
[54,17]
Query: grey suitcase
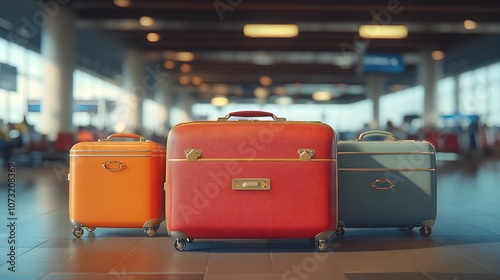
[387,183]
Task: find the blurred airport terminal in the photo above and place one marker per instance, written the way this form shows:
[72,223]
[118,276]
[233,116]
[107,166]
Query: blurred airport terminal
[80,70]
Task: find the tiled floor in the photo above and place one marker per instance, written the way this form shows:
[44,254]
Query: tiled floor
[465,242]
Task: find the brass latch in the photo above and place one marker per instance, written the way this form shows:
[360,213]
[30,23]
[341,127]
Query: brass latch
[305,154]
[382,184]
[251,184]
[192,154]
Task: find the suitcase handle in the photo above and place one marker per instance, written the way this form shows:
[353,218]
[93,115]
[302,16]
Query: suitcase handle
[123,135]
[382,133]
[251,114]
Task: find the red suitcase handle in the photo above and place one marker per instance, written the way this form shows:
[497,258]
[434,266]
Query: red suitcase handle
[252,114]
[124,135]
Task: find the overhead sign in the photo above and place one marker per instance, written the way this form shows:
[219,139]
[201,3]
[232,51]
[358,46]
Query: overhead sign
[8,77]
[383,63]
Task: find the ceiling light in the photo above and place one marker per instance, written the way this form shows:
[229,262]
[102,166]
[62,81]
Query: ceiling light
[146,21]
[321,96]
[284,100]
[219,101]
[122,3]
[186,68]
[375,31]
[261,93]
[169,64]
[184,80]
[271,30]
[437,55]
[185,56]
[203,87]
[281,90]
[153,37]
[470,24]
[196,81]
[265,81]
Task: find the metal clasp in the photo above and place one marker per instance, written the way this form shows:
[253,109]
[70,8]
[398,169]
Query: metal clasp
[113,165]
[251,184]
[306,154]
[389,184]
[192,154]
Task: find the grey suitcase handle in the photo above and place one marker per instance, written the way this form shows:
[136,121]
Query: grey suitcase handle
[372,133]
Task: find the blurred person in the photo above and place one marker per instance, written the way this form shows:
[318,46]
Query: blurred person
[84,135]
[396,131]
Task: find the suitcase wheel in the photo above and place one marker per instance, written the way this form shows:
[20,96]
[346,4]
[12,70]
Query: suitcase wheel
[425,231]
[340,232]
[78,232]
[189,240]
[90,229]
[150,231]
[180,244]
[408,228]
[321,245]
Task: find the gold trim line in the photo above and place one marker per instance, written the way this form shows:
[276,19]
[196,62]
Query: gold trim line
[386,169]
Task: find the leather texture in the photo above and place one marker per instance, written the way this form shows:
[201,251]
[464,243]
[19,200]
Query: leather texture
[405,194]
[301,202]
[126,196]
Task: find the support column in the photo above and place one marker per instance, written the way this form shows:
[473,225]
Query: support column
[58,49]
[133,82]
[456,92]
[375,87]
[165,96]
[429,73]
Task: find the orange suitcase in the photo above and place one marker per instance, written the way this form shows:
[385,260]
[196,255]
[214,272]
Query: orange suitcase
[117,184]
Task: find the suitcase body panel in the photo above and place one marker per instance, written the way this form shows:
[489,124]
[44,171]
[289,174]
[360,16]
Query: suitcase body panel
[386,184]
[116,184]
[301,201]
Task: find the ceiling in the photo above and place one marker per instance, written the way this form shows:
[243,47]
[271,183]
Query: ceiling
[325,52]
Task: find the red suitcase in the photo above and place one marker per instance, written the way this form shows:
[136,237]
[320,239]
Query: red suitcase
[251,179]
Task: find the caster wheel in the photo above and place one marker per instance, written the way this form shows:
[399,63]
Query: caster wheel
[78,232]
[425,231]
[189,240]
[340,232]
[407,228]
[90,229]
[151,232]
[180,244]
[322,245]
[156,227]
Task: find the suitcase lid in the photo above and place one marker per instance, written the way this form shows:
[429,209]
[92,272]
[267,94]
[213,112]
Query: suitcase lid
[362,154]
[128,147]
[252,140]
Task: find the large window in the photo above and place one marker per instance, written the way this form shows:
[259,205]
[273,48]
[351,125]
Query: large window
[395,106]
[479,94]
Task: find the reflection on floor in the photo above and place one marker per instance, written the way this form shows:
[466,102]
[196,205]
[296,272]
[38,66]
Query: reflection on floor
[465,242]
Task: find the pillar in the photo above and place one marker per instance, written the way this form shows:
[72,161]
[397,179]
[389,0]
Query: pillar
[375,87]
[58,49]
[133,72]
[165,96]
[429,73]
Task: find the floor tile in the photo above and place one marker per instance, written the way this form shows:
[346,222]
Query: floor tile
[372,261]
[387,276]
[157,255]
[439,259]
[99,256]
[240,263]
[463,276]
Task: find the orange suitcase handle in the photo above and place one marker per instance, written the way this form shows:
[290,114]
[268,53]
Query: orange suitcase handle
[124,135]
[252,114]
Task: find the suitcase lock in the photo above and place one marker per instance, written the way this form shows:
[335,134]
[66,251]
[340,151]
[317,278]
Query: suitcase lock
[305,154]
[192,154]
[113,165]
